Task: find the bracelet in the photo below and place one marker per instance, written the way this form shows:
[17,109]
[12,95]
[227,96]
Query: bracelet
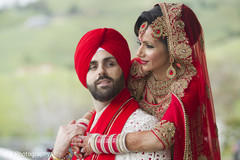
[93,143]
[108,144]
[92,111]
[68,156]
[83,123]
[123,143]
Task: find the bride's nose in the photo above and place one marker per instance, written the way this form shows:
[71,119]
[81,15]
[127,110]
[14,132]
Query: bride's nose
[140,52]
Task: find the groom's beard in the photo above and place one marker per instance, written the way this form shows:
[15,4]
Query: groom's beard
[106,93]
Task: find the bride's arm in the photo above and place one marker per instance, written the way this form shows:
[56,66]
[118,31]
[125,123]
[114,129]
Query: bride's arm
[143,141]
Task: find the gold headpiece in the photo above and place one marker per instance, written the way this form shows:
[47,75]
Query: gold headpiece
[159,28]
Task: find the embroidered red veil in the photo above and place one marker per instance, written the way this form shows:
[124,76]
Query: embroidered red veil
[190,107]
[204,118]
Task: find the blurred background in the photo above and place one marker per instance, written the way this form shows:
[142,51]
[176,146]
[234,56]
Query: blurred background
[39,89]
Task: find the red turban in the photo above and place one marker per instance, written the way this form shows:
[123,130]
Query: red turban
[108,39]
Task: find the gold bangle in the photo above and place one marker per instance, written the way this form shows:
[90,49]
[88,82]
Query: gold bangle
[64,158]
[56,158]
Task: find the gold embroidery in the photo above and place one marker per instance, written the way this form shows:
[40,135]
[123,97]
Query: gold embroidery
[183,51]
[178,45]
[204,110]
[187,149]
[208,91]
[136,71]
[136,81]
[202,43]
[202,158]
[165,131]
[157,110]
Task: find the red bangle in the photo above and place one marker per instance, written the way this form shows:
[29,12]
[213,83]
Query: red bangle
[109,144]
[98,143]
[106,146]
[82,124]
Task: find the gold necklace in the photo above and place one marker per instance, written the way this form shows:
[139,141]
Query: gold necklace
[159,88]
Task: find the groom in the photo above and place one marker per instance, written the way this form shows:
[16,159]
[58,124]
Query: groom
[102,62]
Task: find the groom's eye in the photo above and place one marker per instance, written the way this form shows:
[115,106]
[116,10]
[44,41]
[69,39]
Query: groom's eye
[92,67]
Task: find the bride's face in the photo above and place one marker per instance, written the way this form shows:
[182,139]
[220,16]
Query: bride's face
[153,53]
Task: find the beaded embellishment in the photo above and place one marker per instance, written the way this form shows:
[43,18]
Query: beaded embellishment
[159,28]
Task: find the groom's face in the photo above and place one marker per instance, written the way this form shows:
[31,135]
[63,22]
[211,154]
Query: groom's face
[105,78]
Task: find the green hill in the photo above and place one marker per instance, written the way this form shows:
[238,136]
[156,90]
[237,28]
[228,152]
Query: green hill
[37,43]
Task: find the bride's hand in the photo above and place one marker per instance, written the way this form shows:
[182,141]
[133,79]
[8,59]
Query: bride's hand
[76,149]
[84,148]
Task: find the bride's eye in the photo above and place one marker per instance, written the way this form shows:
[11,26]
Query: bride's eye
[149,46]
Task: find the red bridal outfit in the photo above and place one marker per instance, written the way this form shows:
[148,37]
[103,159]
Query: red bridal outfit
[186,112]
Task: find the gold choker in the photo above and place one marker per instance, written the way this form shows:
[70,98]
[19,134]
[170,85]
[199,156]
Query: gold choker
[159,88]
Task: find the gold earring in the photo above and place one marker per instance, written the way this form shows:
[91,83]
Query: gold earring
[171,72]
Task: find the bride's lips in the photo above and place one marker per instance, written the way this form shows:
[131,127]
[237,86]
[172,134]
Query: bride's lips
[143,62]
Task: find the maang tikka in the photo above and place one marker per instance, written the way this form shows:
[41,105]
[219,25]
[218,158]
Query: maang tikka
[142,29]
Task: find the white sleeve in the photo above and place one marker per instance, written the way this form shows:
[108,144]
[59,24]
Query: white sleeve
[141,121]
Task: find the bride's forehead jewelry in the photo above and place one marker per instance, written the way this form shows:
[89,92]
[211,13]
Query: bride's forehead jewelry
[142,29]
[159,28]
